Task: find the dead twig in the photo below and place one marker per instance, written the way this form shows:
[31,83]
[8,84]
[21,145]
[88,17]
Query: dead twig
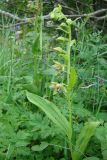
[95,15]
[90,15]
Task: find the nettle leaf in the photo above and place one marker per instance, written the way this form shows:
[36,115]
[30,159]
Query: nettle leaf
[40,147]
[81,112]
[51,110]
[73,79]
[84,137]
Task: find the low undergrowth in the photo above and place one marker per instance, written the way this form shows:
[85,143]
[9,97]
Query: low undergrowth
[64,77]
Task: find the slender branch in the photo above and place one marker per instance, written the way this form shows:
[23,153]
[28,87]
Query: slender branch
[92,14]
[91,85]
[69,9]
[13,25]
[101,18]
[4,13]
[95,15]
[82,3]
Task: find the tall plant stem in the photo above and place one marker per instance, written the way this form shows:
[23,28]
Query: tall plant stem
[37,47]
[68,92]
[41,23]
[69,55]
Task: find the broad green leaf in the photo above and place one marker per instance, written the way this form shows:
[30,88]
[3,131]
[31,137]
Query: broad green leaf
[73,79]
[40,147]
[51,110]
[84,137]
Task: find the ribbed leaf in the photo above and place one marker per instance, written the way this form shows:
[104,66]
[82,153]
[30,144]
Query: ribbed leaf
[73,79]
[51,110]
[84,137]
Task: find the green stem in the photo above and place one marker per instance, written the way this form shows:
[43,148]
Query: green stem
[68,92]
[70,124]
[69,51]
[41,22]
[37,80]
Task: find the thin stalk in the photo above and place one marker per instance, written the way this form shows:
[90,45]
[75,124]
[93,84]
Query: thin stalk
[69,51]
[70,124]
[99,107]
[41,24]
[38,47]
[10,81]
[68,93]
